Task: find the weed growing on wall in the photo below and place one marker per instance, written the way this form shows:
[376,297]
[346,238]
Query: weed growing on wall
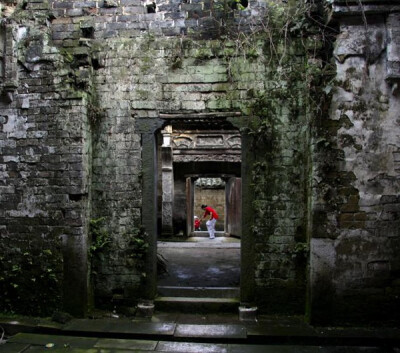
[137,246]
[100,238]
[30,281]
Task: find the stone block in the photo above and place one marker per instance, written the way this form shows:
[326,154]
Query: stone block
[74,12]
[193,105]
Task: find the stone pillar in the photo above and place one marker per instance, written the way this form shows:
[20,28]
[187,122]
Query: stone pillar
[167,182]
[247,265]
[149,213]
[147,128]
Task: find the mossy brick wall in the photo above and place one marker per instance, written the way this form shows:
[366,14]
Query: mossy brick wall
[45,152]
[356,240]
[140,79]
[280,180]
[77,81]
[107,76]
[137,74]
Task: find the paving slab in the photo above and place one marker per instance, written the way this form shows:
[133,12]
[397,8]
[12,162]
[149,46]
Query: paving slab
[358,332]
[88,325]
[13,347]
[235,348]
[144,328]
[190,347]
[280,326]
[262,329]
[121,326]
[144,345]
[352,349]
[35,349]
[56,340]
[245,348]
[211,331]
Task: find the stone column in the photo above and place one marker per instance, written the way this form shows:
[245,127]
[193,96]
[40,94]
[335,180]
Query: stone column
[147,128]
[167,182]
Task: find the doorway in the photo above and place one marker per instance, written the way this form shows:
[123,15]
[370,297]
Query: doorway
[209,191]
[198,166]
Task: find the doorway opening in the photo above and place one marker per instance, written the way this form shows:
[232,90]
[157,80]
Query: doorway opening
[199,163]
[209,191]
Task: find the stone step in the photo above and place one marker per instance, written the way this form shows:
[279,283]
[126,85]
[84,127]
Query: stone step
[196,305]
[199,292]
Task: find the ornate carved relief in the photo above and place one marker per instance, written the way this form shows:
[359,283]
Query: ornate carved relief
[206,145]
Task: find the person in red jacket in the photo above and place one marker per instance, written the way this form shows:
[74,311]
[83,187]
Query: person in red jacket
[209,211]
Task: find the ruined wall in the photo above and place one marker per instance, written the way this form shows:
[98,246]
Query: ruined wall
[83,85]
[45,153]
[356,240]
[106,67]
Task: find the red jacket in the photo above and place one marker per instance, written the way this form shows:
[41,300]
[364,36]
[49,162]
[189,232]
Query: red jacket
[210,210]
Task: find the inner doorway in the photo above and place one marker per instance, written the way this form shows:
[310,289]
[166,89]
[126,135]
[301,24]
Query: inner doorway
[209,191]
[199,166]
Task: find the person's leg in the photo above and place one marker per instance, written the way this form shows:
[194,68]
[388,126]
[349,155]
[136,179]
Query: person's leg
[209,228]
[212,228]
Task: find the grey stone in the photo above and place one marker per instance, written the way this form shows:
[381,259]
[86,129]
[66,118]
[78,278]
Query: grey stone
[189,347]
[144,345]
[211,331]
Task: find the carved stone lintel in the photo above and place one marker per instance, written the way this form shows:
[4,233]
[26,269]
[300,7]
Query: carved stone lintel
[368,7]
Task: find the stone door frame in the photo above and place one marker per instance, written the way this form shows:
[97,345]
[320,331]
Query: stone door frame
[148,128]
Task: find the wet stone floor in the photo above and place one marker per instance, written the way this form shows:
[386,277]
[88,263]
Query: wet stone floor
[30,343]
[200,262]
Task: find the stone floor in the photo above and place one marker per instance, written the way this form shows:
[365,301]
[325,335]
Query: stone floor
[177,332]
[201,262]
[26,342]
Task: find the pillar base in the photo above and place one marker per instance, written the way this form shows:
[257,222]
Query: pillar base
[145,309]
[248,313]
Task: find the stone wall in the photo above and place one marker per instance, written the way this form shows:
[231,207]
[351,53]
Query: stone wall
[355,238]
[45,164]
[84,89]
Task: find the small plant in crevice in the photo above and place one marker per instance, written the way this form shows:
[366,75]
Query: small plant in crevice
[137,247]
[299,251]
[100,237]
